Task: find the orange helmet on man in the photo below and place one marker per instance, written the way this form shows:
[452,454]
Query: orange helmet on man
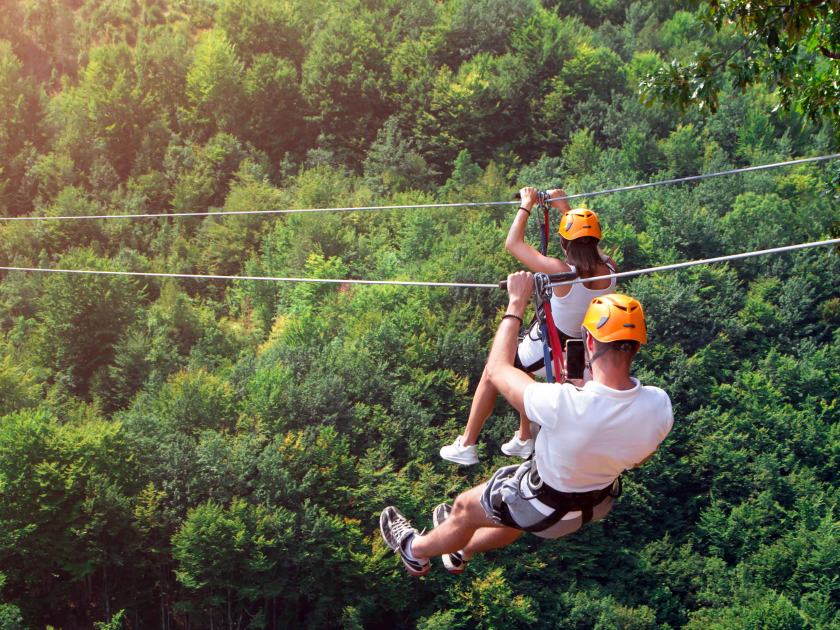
[616,317]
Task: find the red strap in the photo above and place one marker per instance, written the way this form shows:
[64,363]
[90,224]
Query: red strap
[554,343]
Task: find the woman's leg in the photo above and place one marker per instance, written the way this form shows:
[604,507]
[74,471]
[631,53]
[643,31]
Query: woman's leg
[484,399]
[524,427]
[483,403]
[525,424]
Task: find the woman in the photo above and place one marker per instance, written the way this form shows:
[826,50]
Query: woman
[580,233]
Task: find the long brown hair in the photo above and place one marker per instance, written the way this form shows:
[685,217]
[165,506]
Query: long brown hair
[583,254]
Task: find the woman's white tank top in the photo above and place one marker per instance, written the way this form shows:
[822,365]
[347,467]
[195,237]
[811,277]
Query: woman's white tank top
[568,311]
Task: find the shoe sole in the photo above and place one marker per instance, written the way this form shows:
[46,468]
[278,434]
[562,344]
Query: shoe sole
[447,562]
[512,453]
[383,527]
[457,460]
[411,571]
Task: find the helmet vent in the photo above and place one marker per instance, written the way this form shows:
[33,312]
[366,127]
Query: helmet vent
[602,321]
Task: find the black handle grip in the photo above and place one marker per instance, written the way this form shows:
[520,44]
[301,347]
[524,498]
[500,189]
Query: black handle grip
[503,285]
[542,196]
[561,277]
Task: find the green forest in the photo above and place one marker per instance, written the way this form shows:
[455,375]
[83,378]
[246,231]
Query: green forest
[193,453]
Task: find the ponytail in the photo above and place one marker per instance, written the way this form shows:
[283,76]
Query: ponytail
[583,253]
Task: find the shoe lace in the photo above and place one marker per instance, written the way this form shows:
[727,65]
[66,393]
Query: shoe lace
[401,527]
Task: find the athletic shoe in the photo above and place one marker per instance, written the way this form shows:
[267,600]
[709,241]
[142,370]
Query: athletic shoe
[464,455]
[517,447]
[397,532]
[454,562]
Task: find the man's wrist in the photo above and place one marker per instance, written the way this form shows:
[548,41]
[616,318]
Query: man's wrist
[516,307]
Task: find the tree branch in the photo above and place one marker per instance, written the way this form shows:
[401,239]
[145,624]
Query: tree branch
[831,55]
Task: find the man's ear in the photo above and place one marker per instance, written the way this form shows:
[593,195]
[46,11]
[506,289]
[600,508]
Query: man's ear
[589,340]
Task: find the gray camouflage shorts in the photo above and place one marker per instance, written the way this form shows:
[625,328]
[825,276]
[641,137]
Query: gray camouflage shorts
[509,486]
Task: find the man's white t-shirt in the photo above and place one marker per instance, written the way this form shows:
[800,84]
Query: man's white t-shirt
[590,435]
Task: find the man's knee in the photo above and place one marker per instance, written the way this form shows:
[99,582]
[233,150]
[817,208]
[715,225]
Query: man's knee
[467,507]
[460,508]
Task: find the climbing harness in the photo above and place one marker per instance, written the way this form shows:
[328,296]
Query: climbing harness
[525,483]
[565,502]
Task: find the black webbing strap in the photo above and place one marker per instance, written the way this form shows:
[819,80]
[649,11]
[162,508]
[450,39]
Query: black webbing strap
[565,502]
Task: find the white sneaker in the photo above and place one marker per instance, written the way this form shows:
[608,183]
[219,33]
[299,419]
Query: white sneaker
[517,447]
[455,452]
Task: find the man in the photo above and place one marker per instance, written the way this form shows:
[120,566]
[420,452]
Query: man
[588,437]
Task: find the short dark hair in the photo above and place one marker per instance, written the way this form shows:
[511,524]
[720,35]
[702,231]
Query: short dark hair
[624,345]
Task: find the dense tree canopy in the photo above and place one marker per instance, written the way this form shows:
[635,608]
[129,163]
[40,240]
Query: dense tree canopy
[793,46]
[191,454]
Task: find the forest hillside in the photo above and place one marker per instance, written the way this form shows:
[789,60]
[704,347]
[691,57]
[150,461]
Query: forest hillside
[193,453]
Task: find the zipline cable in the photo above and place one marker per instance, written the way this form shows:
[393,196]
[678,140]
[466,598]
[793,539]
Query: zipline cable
[691,178]
[705,261]
[596,193]
[450,285]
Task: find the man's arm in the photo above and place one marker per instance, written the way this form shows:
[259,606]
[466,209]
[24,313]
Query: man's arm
[510,381]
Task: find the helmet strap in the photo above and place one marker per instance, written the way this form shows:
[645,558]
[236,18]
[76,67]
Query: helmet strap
[590,358]
[598,354]
[605,347]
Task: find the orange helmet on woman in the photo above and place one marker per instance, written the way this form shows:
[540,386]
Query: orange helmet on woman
[579,222]
[616,317]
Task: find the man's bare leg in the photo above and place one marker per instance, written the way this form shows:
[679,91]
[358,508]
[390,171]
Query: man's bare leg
[489,538]
[458,529]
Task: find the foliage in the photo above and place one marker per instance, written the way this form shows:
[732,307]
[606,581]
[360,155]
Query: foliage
[792,46]
[182,453]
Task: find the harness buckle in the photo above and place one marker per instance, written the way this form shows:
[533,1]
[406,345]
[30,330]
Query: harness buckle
[535,482]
